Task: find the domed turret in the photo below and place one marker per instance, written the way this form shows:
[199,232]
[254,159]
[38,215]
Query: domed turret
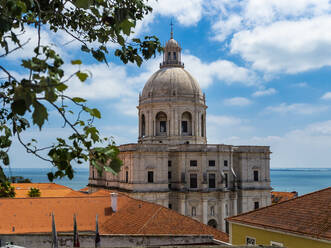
[172,106]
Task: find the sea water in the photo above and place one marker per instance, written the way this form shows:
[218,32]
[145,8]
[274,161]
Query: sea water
[301,180]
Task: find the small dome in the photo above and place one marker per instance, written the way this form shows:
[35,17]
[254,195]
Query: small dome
[171,43]
[171,81]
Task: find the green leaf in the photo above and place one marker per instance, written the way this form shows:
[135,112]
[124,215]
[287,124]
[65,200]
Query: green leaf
[18,107]
[61,87]
[50,176]
[78,99]
[82,76]
[109,169]
[76,62]
[96,113]
[84,48]
[126,27]
[84,4]
[39,114]
[93,112]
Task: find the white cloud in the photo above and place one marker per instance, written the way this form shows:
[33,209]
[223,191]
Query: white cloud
[266,92]
[222,70]
[127,106]
[297,108]
[223,28]
[301,85]
[286,46]
[105,83]
[222,120]
[30,37]
[237,101]
[326,96]
[186,12]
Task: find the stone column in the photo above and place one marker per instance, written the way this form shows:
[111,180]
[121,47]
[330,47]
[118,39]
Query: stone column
[234,204]
[204,210]
[182,203]
[139,123]
[148,127]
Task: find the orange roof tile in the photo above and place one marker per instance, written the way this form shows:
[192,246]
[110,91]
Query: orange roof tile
[46,190]
[308,215]
[277,196]
[33,215]
[140,217]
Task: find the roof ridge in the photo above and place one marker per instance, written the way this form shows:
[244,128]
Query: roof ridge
[296,198]
[150,218]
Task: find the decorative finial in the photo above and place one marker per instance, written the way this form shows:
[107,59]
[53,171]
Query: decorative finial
[172,31]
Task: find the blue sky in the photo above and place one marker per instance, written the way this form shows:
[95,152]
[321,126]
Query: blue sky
[264,66]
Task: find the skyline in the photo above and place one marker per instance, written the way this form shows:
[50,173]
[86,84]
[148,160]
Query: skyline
[264,67]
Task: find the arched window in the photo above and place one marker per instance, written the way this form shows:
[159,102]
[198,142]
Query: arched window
[186,124]
[202,126]
[143,126]
[175,57]
[161,124]
[212,223]
[194,211]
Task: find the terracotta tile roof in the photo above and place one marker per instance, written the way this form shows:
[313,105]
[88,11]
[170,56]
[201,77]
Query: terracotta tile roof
[85,189]
[308,215]
[46,189]
[140,217]
[277,196]
[33,215]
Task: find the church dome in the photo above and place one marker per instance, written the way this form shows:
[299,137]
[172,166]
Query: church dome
[171,81]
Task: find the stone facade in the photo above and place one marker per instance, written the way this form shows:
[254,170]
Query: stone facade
[173,165]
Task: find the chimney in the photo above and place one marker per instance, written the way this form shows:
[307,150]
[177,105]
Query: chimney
[113,197]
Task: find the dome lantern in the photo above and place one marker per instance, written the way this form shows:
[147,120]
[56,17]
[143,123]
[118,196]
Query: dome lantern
[172,53]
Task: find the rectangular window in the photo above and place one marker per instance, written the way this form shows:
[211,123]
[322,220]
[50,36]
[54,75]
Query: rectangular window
[256,205]
[170,206]
[211,163]
[150,176]
[169,174]
[193,181]
[169,163]
[163,126]
[256,175]
[226,180]
[184,127]
[225,163]
[212,181]
[193,163]
[126,176]
[250,241]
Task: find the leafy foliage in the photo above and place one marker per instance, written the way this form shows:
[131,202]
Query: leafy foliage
[18,179]
[6,190]
[34,192]
[28,101]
